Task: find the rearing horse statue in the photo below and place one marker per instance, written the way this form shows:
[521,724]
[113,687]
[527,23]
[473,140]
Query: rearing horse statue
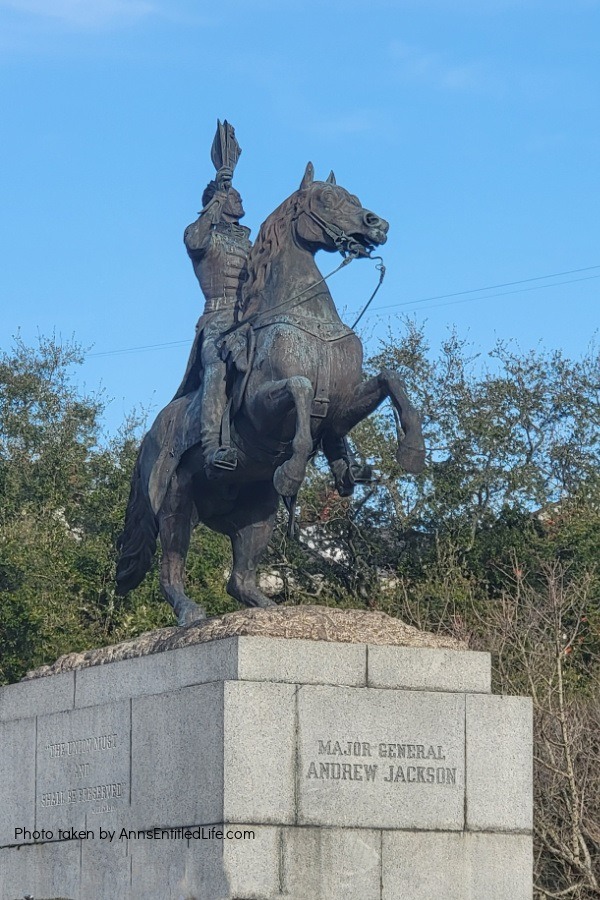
[301,390]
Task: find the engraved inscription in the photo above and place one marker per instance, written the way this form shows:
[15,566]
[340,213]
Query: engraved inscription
[429,772]
[96,749]
[85,745]
[83,794]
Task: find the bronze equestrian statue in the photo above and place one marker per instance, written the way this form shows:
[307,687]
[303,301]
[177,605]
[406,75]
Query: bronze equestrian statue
[294,385]
[218,247]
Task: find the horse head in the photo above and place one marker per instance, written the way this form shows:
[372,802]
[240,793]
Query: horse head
[330,218]
[320,215]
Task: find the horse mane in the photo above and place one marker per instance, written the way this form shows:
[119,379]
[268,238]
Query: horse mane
[268,243]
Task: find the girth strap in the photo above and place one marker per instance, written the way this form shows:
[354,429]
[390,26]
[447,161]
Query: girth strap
[320,404]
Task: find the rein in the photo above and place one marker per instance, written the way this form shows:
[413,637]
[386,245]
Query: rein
[293,302]
[253,318]
[381,269]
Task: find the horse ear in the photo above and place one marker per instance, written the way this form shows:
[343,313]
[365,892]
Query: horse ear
[331,178]
[308,176]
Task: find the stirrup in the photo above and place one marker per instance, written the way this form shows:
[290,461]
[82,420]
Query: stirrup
[224,458]
[360,473]
[347,474]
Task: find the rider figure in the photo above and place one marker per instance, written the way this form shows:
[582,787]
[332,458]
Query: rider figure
[218,247]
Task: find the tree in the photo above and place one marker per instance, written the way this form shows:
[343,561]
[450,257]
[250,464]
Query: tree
[62,492]
[514,443]
[64,486]
[540,634]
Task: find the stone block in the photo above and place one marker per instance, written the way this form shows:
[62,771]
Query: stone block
[499,763]
[168,870]
[216,868]
[424,866]
[233,741]
[500,866]
[456,866]
[380,758]
[17,777]
[301,661]
[423,669]
[245,658]
[331,863]
[105,868]
[259,753]
[83,767]
[251,865]
[158,673]
[37,697]
[177,758]
[41,870]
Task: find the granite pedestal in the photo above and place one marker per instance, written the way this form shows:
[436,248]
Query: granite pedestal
[260,768]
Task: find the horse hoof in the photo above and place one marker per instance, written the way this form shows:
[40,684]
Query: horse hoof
[285,485]
[190,614]
[248,594]
[412,459]
[260,602]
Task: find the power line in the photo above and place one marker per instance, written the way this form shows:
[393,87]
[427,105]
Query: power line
[539,287]
[493,287]
[167,344]
[162,346]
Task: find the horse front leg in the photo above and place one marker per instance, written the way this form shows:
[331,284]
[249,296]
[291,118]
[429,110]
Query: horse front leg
[175,526]
[249,528]
[365,400]
[275,400]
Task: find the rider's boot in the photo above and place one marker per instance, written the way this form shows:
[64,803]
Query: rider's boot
[219,457]
[345,467]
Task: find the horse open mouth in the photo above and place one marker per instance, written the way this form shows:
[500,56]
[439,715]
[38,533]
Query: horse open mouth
[368,242]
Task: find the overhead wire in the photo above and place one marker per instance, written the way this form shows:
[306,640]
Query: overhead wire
[404,303]
[538,287]
[161,346]
[493,287]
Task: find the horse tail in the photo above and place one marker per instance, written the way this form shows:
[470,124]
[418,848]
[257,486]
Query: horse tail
[137,542]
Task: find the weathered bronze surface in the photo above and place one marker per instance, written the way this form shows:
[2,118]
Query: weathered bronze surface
[274,375]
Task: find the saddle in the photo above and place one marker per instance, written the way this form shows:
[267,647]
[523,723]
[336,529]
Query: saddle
[237,348]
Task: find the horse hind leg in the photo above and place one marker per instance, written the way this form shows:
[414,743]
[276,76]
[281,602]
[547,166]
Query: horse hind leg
[176,522]
[368,396]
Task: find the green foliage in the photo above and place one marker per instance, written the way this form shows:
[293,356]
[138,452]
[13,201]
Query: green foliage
[208,571]
[62,497]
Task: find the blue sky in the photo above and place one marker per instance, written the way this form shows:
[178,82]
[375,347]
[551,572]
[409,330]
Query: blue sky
[473,126]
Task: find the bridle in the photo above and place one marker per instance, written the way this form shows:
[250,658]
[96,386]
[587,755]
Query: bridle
[345,244]
[350,249]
